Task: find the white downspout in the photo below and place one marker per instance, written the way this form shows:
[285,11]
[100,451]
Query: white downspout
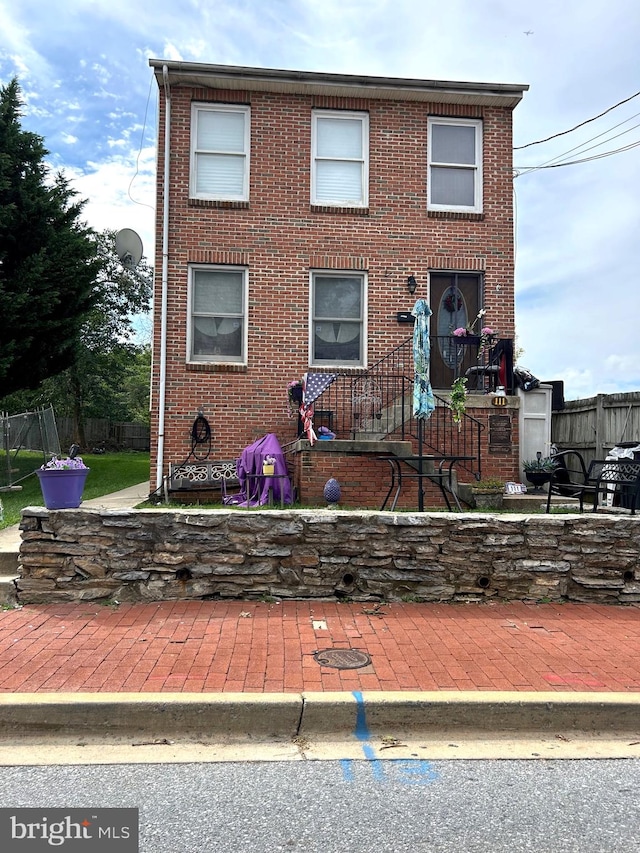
[165,281]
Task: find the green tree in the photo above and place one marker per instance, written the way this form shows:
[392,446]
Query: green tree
[136,386]
[107,353]
[110,374]
[48,261]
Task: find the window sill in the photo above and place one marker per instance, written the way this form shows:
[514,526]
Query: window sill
[343,369]
[214,203]
[215,367]
[330,208]
[455,214]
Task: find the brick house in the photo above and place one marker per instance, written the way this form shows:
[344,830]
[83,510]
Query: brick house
[296,213]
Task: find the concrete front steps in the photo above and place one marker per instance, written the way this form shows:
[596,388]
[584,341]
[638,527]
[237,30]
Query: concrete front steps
[535,502]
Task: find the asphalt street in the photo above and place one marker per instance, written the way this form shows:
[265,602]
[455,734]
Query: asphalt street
[343,807]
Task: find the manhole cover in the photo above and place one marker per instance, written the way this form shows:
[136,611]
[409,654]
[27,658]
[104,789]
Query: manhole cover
[342,658]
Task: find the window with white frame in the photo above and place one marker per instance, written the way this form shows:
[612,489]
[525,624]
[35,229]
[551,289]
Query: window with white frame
[217,314]
[220,137]
[340,158]
[455,165]
[338,331]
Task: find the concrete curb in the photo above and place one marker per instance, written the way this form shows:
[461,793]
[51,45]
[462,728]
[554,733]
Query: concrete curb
[114,716]
[204,718]
[480,713]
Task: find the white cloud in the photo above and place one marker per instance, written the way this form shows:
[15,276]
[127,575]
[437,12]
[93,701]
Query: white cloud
[118,197]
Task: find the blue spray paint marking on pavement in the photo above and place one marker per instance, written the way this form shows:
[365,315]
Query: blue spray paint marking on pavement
[347,769]
[376,765]
[362,729]
[410,771]
[414,771]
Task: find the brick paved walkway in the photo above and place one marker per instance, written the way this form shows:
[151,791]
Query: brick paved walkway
[216,646]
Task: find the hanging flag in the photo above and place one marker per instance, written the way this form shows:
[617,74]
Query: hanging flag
[314,384]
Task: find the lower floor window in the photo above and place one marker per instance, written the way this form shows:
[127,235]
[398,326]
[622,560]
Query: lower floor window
[217,314]
[337,319]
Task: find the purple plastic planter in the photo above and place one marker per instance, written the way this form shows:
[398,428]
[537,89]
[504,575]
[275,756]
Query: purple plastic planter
[62,489]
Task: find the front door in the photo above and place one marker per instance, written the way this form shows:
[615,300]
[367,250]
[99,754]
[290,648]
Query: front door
[455,299]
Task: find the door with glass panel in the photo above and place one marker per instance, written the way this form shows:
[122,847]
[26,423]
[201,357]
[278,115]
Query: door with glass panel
[455,299]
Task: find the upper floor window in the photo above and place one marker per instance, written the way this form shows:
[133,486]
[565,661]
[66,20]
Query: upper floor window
[220,152]
[337,319]
[217,314]
[455,165]
[340,159]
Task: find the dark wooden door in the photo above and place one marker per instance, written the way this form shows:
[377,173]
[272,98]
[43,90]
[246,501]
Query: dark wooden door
[455,299]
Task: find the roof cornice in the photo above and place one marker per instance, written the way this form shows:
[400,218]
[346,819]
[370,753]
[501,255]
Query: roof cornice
[240,78]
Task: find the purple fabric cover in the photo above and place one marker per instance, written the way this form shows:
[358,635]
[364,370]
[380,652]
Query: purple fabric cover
[255,491]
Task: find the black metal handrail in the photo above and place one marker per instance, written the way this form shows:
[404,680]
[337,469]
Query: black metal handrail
[378,403]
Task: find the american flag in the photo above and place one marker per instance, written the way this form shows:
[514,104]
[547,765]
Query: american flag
[315,384]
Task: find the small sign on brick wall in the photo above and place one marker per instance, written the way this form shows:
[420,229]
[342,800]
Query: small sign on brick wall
[499,432]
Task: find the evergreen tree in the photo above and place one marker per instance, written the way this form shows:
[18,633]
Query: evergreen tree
[48,261]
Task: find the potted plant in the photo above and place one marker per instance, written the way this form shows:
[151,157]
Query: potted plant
[488,494]
[269,466]
[469,335]
[539,471]
[62,480]
[295,390]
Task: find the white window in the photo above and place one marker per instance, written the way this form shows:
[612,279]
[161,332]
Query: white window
[338,331]
[340,159]
[220,152]
[455,165]
[217,314]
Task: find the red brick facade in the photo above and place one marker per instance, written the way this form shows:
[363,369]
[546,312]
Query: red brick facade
[280,237]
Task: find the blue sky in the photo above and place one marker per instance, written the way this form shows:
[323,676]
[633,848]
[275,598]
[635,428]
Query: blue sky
[88,90]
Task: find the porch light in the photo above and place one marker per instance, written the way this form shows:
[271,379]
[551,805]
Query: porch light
[412,284]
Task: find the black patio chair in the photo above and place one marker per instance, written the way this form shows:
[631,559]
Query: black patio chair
[618,479]
[569,479]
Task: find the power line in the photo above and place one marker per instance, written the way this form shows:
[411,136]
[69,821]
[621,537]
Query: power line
[582,123]
[597,136]
[561,157]
[526,170]
[595,156]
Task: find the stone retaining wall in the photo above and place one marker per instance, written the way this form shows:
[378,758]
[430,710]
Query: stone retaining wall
[143,555]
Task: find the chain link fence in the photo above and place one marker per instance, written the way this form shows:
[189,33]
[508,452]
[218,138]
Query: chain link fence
[28,440]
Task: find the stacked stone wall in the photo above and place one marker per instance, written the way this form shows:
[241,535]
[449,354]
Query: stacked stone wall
[149,555]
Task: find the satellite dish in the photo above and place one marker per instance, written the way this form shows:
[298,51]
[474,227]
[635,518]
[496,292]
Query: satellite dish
[128,248]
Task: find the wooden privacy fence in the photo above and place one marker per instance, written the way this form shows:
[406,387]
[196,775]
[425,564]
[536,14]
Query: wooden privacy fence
[105,434]
[596,424]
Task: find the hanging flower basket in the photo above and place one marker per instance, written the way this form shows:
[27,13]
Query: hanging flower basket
[62,482]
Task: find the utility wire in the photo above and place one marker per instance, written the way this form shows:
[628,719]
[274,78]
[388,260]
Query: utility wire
[582,123]
[596,156]
[593,138]
[137,171]
[604,154]
[561,157]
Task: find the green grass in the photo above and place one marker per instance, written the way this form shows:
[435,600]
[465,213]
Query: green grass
[109,472]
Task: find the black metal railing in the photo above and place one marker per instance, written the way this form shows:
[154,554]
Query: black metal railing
[378,404]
